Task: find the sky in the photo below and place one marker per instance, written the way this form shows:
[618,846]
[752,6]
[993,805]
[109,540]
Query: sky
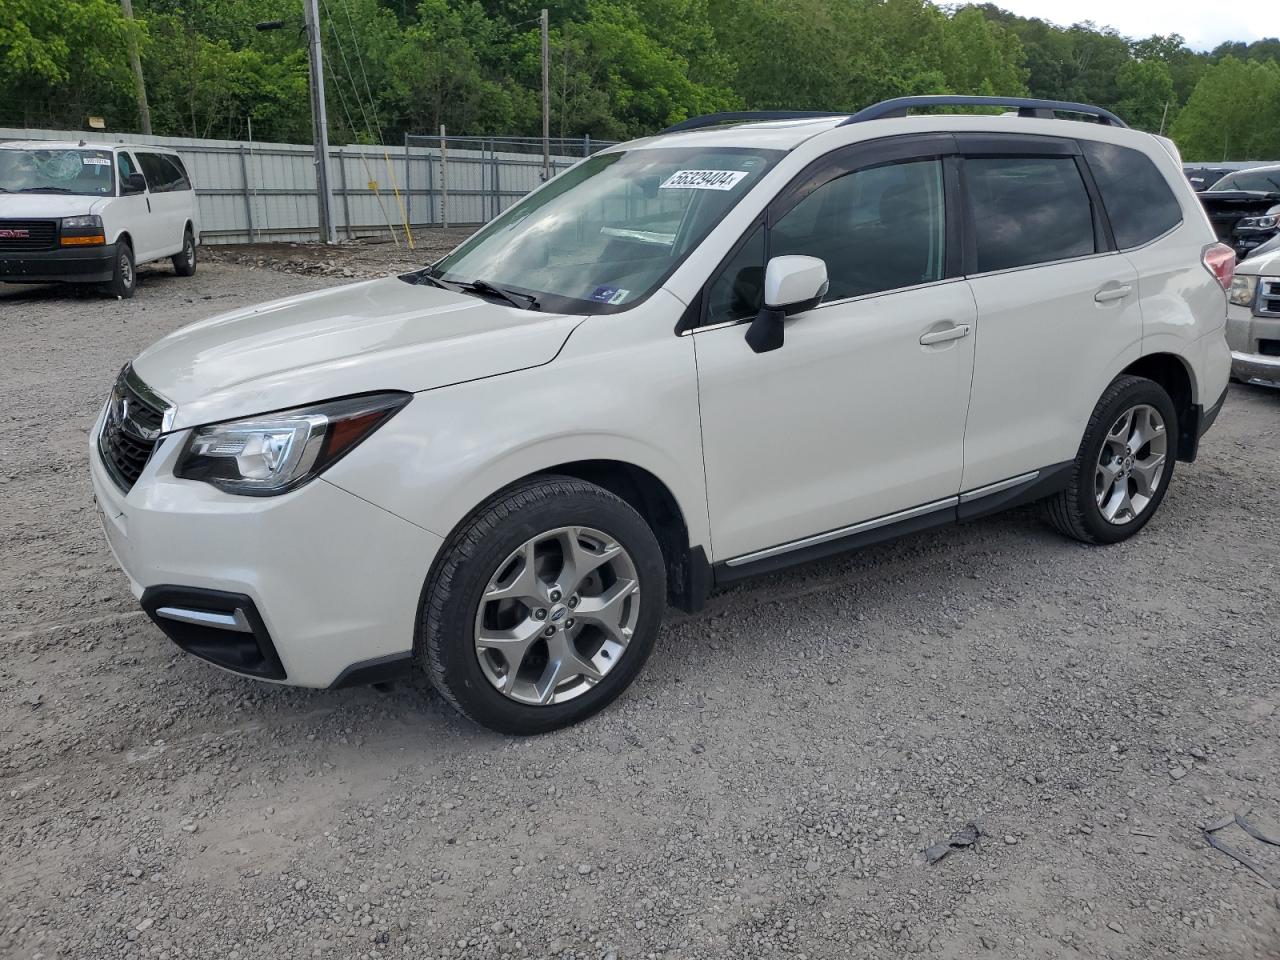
[1202,23]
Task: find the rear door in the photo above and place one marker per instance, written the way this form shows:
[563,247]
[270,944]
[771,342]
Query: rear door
[1058,307]
[170,200]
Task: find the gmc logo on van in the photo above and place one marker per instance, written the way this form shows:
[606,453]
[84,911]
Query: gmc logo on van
[14,234]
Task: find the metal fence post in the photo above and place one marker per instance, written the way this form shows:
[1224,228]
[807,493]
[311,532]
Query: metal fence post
[493,179]
[431,190]
[408,185]
[497,187]
[444,181]
[586,144]
[248,202]
[346,200]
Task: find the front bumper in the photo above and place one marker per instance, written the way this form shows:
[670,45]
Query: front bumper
[1256,368]
[65,265]
[1246,333]
[327,584]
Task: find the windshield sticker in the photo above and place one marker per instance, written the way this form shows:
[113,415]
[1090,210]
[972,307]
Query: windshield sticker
[613,295]
[703,180]
[97,162]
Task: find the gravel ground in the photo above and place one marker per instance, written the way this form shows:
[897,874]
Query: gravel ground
[765,790]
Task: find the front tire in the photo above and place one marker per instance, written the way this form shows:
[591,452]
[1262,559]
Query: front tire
[542,607]
[1123,467]
[124,276]
[184,262]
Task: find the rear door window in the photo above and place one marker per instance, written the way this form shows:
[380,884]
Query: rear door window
[1139,202]
[160,172]
[1028,210]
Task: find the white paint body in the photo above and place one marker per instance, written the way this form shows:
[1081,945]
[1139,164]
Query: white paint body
[854,418]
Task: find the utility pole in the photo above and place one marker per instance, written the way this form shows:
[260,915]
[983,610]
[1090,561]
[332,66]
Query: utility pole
[319,122]
[546,97]
[1163,117]
[144,110]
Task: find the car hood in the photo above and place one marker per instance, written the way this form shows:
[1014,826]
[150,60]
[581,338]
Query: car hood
[1264,261]
[30,206]
[383,334]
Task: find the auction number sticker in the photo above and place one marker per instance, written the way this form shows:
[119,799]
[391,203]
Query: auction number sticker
[703,180]
[97,161]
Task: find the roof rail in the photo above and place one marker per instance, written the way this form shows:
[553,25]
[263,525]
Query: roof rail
[1026,106]
[712,119]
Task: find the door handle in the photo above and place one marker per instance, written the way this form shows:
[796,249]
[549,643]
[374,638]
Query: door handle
[1109,293]
[942,336]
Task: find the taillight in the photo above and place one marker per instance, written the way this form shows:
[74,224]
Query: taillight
[1220,260]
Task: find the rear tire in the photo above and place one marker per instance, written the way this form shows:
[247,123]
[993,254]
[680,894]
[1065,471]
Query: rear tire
[542,607]
[124,277]
[184,263]
[1123,467]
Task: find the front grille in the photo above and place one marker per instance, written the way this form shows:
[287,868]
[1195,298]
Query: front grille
[26,236]
[130,429]
[1269,297]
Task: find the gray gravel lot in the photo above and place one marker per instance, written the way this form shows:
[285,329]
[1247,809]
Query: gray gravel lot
[765,790]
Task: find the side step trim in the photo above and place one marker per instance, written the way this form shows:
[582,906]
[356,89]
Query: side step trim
[842,532]
[998,486]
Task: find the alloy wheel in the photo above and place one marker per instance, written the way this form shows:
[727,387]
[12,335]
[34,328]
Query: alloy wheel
[1131,464]
[557,615]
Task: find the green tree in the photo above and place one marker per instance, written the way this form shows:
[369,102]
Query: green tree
[60,62]
[1234,113]
[1145,92]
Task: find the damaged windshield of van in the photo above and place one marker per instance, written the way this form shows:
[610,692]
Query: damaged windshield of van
[82,172]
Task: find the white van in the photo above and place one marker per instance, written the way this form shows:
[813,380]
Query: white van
[77,212]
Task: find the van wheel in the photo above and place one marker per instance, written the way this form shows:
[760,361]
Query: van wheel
[542,607]
[184,263]
[1123,467]
[124,276]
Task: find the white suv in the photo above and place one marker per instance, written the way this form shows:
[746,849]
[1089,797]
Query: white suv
[78,212]
[689,359]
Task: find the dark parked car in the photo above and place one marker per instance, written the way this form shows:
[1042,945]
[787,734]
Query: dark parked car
[1202,178]
[1244,207]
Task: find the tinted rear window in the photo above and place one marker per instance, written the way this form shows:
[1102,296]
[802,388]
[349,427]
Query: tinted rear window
[1028,210]
[1137,197]
[163,172]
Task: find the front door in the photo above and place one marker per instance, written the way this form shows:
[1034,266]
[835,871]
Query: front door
[132,211]
[860,414]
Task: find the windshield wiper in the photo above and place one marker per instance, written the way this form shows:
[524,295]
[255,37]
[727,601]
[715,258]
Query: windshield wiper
[522,301]
[426,277]
[45,190]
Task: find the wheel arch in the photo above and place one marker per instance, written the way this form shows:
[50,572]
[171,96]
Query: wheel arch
[688,568]
[1176,377]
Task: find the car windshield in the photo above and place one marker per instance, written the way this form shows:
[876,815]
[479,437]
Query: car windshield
[606,233]
[1262,181]
[57,170]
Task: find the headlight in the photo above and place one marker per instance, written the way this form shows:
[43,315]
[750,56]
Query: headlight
[1243,289]
[83,231]
[1268,222]
[277,452]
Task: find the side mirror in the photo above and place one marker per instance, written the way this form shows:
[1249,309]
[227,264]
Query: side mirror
[791,285]
[134,183]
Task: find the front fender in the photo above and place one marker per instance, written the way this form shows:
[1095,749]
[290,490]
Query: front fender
[449,449]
